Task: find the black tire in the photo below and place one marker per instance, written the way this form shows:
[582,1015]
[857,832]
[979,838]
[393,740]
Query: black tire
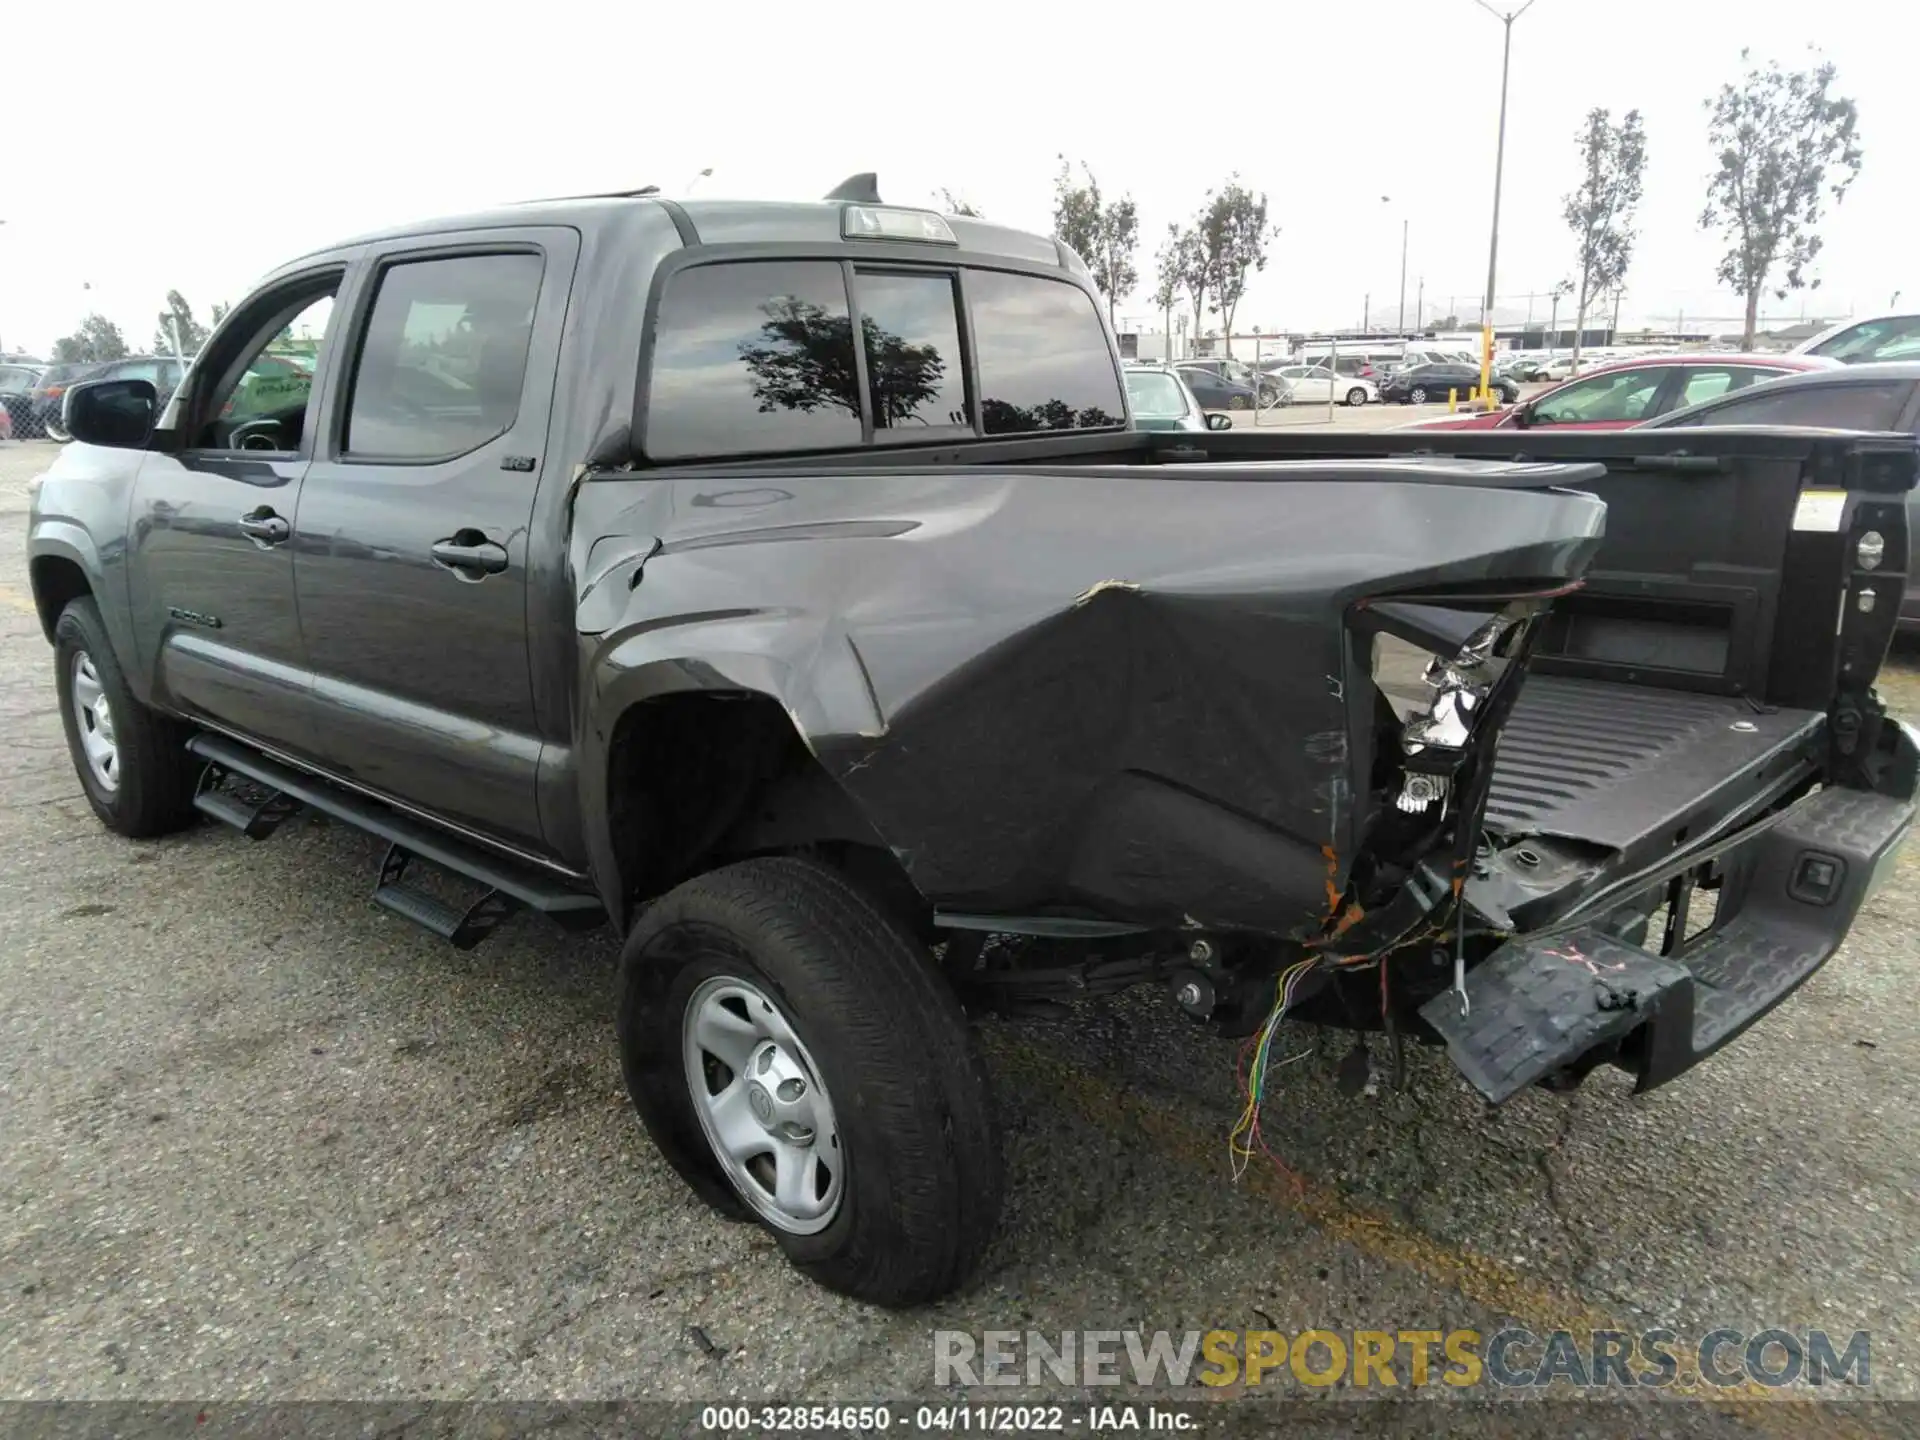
[1417,396]
[1356,397]
[153,793]
[921,1188]
[1238,402]
[54,430]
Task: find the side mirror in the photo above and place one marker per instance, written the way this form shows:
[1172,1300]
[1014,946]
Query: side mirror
[1218,421]
[1522,416]
[116,413]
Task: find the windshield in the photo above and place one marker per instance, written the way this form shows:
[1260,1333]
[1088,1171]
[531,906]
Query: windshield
[1895,338]
[1155,395]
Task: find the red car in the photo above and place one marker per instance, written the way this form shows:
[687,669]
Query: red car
[1621,393]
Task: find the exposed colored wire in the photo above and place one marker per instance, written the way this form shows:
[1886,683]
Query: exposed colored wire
[1256,1065]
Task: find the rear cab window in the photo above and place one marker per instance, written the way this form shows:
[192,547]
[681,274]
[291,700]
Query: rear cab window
[759,356]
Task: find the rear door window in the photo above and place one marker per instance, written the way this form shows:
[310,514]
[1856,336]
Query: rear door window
[1043,355]
[1710,382]
[1874,406]
[443,357]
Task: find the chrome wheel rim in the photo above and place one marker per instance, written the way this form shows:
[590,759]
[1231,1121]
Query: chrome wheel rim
[762,1106]
[95,718]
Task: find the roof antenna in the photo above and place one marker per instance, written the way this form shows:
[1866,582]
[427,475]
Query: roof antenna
[861,189]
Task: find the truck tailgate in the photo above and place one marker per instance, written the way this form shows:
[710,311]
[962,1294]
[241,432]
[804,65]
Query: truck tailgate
[1609,763]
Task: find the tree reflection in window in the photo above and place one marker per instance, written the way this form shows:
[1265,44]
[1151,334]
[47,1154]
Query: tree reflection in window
[1006,419]
[803,360]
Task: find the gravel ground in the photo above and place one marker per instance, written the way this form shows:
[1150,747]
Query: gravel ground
[262,1141]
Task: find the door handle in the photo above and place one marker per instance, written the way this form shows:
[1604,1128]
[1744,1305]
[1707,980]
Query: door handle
[469,554]
[264,528]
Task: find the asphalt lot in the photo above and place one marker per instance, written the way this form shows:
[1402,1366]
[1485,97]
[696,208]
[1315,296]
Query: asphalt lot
[260,1140]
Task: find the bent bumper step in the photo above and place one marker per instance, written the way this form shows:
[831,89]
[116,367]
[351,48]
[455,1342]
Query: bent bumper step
[1540,1006]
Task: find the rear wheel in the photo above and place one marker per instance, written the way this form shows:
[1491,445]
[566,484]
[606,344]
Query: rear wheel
[1238,402]
[132,763]
[1418,395]
[800,1062]
[54,430]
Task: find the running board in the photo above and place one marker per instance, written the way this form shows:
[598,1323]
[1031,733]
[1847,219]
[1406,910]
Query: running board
[1542,1008]
[509,884]
[463,929]
[255,816]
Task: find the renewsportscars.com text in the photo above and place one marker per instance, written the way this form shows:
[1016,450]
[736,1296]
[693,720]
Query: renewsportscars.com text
[1386,1359]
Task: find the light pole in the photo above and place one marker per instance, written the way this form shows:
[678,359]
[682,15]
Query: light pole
[1499,164]
[1402,321]
[687,189]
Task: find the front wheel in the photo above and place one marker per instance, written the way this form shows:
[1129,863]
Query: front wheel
[132,763]
[1356,397]
[800,1062]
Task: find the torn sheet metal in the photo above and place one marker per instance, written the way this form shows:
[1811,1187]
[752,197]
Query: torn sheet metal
[1127,698]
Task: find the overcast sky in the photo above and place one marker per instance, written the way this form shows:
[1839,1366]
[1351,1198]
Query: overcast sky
[197,146]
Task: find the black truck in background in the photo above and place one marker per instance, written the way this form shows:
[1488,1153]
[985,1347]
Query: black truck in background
[783,585]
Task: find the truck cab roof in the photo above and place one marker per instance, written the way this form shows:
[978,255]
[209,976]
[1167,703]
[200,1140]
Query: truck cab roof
[729,222]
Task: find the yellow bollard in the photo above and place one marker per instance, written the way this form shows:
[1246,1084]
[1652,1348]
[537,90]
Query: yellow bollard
[1453,397]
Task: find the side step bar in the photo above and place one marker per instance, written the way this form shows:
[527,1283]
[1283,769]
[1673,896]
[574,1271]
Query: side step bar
[255,816]
[509,884]
[463,929]
[1541,1006]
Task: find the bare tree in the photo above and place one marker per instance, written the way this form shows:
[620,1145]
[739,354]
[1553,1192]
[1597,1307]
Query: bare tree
[1600,211]
[956,204]
[1103,233]
[1785,144]
[1231,235]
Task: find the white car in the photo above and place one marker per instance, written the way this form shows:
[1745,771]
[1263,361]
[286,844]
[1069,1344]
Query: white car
[1855,342]
[1558,367]
[1316,385]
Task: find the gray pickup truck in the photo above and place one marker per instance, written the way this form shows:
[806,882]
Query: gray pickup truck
[784,586]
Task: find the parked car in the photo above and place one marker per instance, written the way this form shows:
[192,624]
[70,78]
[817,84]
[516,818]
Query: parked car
[1160,400]
[1216,393]
[1557,367]
[1234,372]
[1862,342]
[1871,395]
[1424,383]
[49,391]
[1317,385]
[1629,392]
[1371,365]
[843,702]
[1524,369]
[17,380]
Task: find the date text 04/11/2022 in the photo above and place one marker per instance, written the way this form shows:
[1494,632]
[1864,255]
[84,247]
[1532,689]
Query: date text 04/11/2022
[983,1419]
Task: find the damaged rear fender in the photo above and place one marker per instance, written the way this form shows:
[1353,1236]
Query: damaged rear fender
[736,663]
[1135,696]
